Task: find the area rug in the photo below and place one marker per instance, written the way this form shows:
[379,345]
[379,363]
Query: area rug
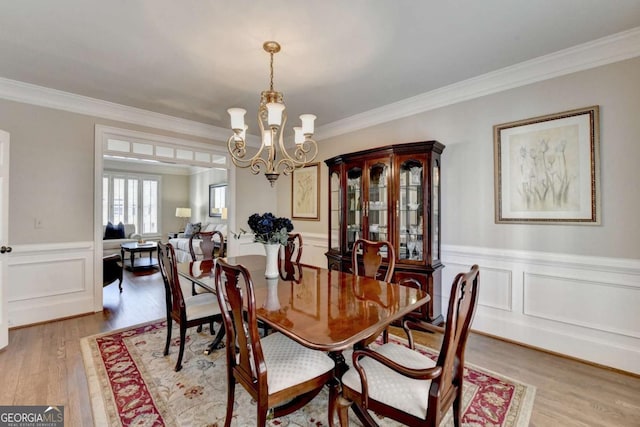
[133,384]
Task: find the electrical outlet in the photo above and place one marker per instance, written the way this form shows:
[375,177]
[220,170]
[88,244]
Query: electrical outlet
[37,223]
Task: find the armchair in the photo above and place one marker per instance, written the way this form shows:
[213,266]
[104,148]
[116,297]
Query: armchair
[397,382]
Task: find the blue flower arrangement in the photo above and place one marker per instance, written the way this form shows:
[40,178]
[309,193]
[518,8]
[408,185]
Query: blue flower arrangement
[268,228]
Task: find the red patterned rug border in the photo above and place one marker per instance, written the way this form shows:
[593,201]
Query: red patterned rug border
[117,364]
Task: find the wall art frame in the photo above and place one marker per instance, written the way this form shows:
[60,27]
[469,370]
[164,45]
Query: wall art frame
[305,193]
[217,199]
[547,169]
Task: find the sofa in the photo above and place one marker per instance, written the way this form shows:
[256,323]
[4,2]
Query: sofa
[112,246]
[181,243]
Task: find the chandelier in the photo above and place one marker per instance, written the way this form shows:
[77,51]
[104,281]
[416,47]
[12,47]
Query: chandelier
[272,117]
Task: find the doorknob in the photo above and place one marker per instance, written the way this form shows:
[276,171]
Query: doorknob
[4,249]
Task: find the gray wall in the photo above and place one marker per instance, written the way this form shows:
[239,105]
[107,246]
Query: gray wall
[467,172]
[52,173]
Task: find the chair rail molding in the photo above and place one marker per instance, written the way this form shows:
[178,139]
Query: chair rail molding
[584,307]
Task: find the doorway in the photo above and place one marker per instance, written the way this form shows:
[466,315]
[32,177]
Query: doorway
[141,147]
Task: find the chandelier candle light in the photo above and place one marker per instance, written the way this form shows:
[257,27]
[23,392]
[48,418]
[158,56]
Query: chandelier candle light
[272,117]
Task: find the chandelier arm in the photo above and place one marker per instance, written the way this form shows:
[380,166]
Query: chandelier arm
[288,166]
[257,164]
[238,149]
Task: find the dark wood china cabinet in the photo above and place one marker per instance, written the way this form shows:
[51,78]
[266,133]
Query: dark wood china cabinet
[390,193]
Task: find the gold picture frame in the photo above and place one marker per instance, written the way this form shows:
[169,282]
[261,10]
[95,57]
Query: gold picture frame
[547,169]
[305,193]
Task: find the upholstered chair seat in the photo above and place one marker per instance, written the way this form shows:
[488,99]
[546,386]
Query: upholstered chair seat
[201,305]
[387,386]
[290,363]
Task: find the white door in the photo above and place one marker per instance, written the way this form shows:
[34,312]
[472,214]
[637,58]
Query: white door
[4,234]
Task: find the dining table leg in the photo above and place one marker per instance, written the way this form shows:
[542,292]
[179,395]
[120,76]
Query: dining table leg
[335,385]
[217,343]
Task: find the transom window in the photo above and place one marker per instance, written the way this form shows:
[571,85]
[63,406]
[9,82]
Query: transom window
[131,199]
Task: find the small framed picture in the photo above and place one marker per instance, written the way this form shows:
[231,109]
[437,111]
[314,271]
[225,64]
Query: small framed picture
[547,169]
[305,195]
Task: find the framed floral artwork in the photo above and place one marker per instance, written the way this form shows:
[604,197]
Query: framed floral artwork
[305,194]
[547,169]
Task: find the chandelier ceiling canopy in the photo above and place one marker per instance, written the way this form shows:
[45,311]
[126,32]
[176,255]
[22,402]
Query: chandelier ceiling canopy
[272,157]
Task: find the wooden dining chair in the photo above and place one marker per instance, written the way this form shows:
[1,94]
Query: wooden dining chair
[194,310]
[278,372]
[367,260]
[209,248]
[289,258]
[398,382]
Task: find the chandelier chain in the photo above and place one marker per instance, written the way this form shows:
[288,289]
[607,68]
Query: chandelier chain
[271,68]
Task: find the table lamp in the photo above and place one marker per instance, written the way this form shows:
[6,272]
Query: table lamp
[183,213]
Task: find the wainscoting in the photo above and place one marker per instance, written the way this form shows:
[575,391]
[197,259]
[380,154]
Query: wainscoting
[49,281]
[584,307]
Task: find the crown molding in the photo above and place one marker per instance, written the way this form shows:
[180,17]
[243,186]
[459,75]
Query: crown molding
[603,51]
[14,90]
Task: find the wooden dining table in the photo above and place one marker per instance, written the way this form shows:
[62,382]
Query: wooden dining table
[322,309]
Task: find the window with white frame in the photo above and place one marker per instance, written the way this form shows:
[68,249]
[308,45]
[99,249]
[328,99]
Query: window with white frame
[131,199]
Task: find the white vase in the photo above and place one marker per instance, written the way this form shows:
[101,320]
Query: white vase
[271,250]
[272,302]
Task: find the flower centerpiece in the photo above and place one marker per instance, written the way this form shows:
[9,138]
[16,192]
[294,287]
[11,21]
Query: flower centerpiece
[272,232]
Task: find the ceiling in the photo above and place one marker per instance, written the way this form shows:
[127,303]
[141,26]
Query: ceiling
[193,59]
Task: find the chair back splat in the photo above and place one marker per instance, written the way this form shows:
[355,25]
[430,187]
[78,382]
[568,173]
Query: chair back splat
[373,256]
[209,247]
[289,257]
[423,390]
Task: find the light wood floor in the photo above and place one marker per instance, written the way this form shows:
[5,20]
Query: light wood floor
[43,366]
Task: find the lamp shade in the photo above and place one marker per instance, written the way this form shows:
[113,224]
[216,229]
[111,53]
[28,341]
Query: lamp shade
[224,213]
[183,212]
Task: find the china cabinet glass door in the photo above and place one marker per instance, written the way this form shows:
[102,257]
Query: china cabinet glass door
[435,211]
[411,211]
[354,206]
[378,201]
[335,203]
